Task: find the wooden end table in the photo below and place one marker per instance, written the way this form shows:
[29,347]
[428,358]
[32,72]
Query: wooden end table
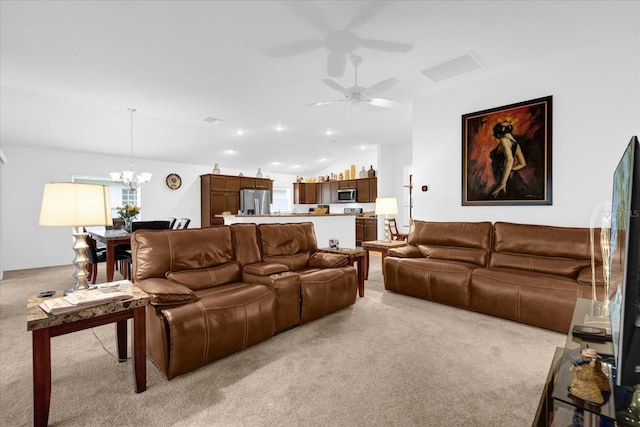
[45,326]
[355,255]
[381,246]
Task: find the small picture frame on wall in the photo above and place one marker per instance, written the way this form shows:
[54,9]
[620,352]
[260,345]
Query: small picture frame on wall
[506,155]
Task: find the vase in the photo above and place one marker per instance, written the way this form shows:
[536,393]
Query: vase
[259,173]
[127,224]
[216,169]
[363,173]
[371,172]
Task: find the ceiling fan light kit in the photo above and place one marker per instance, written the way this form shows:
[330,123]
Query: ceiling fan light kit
[359,94]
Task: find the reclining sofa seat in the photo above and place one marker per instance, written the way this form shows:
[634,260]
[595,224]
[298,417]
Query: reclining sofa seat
[527,273]
[200,309]
[327,282]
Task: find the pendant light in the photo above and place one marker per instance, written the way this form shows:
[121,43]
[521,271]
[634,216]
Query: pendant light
[126,178]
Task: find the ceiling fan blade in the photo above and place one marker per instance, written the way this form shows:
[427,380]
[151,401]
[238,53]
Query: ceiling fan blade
[343,90]
[369,12]
[385,45]
[381,86]
[384,103]
[317,104]
[336,63]
[293,48]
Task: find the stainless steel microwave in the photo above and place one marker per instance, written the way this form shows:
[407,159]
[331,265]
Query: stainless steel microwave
[347,196]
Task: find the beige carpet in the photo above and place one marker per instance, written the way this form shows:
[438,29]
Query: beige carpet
[388,360]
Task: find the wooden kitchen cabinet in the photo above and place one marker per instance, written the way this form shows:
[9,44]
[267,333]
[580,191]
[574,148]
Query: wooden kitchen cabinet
[367,190]
[366,229]
[221,193]
[304,193]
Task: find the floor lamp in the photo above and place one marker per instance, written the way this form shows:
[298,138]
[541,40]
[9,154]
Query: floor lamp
[386,206]
[67,204]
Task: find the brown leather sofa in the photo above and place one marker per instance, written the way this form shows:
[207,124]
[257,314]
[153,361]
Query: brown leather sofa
[213,292]
[528,273]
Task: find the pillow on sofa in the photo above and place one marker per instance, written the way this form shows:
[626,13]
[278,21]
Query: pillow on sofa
[327,260]
[293,262]
[206,277]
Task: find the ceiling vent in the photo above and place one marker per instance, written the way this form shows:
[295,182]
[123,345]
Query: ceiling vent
[453,67]
[211,120]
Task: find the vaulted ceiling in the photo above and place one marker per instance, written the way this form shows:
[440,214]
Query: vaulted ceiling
[70,69]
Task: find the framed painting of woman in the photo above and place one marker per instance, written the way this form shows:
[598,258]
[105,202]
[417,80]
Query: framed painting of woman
[506,155]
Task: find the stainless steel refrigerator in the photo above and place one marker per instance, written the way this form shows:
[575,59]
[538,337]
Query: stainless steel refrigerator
[255,202]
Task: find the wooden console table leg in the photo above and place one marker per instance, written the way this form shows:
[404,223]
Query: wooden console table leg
[121,341]
[139,346]
[41,348]
[366,264]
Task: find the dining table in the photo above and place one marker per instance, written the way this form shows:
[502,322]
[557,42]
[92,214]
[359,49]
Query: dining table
[111,238]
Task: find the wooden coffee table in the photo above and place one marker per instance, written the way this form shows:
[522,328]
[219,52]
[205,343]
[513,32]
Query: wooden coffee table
[381,246]
[45,326]
[355,255]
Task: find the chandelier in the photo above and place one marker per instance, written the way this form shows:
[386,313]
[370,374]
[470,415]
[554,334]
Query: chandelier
[126,178]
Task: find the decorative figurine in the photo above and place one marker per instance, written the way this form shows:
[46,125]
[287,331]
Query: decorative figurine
[216,169]
[371,172]
[588,379]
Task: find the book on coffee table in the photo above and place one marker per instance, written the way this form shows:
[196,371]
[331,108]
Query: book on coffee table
[96,295]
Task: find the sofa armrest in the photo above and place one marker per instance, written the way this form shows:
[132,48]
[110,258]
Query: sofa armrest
[328,260]
[264,268]
[165,292]
[584,276]
[405,252]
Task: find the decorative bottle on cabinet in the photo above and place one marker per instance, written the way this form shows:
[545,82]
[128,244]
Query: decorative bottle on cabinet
[363,173]
[353,172]
[371,172]
[259,173]
[216,169]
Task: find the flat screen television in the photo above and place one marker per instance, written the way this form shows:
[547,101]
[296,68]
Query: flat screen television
[624,274]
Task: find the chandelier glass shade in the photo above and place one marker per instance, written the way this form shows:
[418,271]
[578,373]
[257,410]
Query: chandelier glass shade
[128,178]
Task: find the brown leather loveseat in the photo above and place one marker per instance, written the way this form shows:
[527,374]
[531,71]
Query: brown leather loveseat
[528,273]
[213,291]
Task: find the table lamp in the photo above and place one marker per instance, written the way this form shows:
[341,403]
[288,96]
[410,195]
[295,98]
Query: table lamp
[67,204]
[386,206]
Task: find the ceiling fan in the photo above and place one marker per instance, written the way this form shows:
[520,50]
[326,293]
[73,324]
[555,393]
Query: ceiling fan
[361,95]
[339,43]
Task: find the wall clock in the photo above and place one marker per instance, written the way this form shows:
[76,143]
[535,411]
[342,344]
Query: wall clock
[174,181]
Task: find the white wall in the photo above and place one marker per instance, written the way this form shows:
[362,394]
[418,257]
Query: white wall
[25,244]
[596,110]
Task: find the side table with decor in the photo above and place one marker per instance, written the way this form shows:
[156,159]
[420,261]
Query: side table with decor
[44,326]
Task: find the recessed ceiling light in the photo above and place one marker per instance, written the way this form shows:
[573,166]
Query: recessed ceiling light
[362,147]
[230,151]
[322,160]
[240,132]
[279,128]
[328,132]
[296,166]
[275,163]
[211,120]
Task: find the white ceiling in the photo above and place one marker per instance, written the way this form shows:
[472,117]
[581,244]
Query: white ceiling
[70,69]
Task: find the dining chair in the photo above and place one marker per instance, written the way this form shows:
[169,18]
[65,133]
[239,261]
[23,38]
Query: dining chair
[182,224]
[172,222]
[125,253]
[96,256]
[395,233]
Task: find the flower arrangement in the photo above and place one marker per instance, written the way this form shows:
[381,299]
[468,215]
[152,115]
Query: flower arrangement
[128,211]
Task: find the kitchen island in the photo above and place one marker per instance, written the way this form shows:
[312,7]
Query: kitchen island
[328,226]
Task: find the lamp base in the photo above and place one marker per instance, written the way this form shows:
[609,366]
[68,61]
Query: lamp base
[81,247]
[387,229]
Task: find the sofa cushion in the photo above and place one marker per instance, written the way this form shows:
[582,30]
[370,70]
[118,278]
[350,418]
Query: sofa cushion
[206,277]
[293,262]
[458,234]
[287,239]
[265,268]
[448,253]
[156,252]
[559,266]
[327,260]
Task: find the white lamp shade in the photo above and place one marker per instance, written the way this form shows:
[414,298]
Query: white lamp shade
[386,206]
[74,205]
